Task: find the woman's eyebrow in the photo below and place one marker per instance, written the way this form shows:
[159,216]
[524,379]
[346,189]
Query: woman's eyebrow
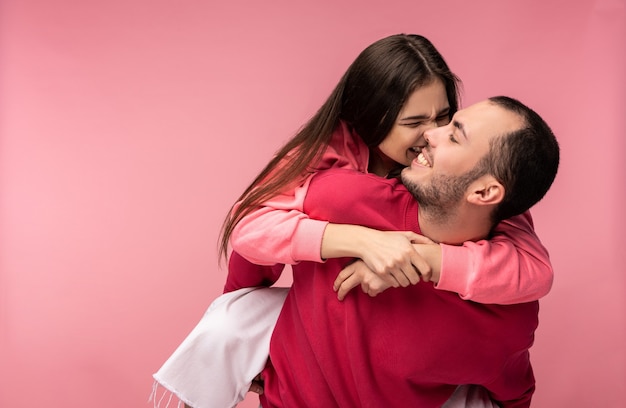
[423,116]
[416,117]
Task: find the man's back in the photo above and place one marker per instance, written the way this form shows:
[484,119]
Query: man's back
[405,347]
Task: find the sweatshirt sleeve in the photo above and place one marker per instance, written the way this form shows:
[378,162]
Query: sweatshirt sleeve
[244,274]
[512,267]
[279,231]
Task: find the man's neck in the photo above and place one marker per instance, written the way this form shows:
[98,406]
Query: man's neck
[459,225]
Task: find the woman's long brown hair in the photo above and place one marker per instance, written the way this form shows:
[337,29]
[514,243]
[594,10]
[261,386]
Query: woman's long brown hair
[368,98]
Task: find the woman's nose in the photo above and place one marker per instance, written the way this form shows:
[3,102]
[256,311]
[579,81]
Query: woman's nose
[431,124]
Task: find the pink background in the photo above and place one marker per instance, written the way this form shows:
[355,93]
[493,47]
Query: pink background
[129,127]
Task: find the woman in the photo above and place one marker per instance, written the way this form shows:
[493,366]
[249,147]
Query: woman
[373,121]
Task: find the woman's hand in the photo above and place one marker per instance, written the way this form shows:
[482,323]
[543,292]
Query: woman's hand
[389,254]
[358,273]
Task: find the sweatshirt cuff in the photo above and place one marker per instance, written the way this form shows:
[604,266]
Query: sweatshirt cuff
[306,243]
[455,264]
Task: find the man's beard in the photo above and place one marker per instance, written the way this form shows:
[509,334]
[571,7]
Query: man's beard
[443,195]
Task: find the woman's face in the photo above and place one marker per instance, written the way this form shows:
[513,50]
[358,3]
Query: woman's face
[426,108]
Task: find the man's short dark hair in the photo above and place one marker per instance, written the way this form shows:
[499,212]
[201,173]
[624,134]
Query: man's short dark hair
[525,161]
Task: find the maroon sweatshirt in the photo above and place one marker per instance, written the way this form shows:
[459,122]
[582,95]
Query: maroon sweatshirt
[407,346]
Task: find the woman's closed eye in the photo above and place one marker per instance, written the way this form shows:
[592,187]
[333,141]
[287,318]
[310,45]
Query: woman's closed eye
[443,120]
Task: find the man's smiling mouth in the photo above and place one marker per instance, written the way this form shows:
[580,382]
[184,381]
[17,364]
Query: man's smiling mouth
[421,159]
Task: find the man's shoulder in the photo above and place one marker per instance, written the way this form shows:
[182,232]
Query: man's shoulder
[351,197]
[349,186]
[353,177]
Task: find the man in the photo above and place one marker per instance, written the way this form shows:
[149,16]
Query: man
[412,346]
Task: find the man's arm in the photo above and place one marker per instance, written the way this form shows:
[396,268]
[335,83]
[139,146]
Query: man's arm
[244,274]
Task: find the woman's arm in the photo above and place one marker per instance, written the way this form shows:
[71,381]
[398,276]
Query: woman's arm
[512,267]
[288,237]
[390,254]
[279,231]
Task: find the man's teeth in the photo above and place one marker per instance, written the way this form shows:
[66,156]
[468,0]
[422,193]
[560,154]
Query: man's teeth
[422,160]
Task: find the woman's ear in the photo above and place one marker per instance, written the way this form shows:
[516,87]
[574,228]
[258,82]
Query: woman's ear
[486,190]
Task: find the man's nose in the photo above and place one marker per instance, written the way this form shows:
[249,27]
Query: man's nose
[430,135]
[429,127]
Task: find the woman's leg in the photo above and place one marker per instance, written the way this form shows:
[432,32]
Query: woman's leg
[215,365]
[470,396]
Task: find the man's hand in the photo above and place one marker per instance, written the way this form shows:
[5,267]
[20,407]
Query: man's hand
[257,385]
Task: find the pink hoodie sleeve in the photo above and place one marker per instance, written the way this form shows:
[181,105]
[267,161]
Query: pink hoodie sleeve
[279,231]
[512,267]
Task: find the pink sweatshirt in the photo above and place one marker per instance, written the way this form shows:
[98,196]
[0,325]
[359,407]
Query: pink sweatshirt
[512,267]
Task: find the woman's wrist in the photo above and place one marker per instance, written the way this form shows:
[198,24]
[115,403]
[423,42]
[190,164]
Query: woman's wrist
[432,255]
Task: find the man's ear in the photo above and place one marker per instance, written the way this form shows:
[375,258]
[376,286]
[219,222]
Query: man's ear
[486,190]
